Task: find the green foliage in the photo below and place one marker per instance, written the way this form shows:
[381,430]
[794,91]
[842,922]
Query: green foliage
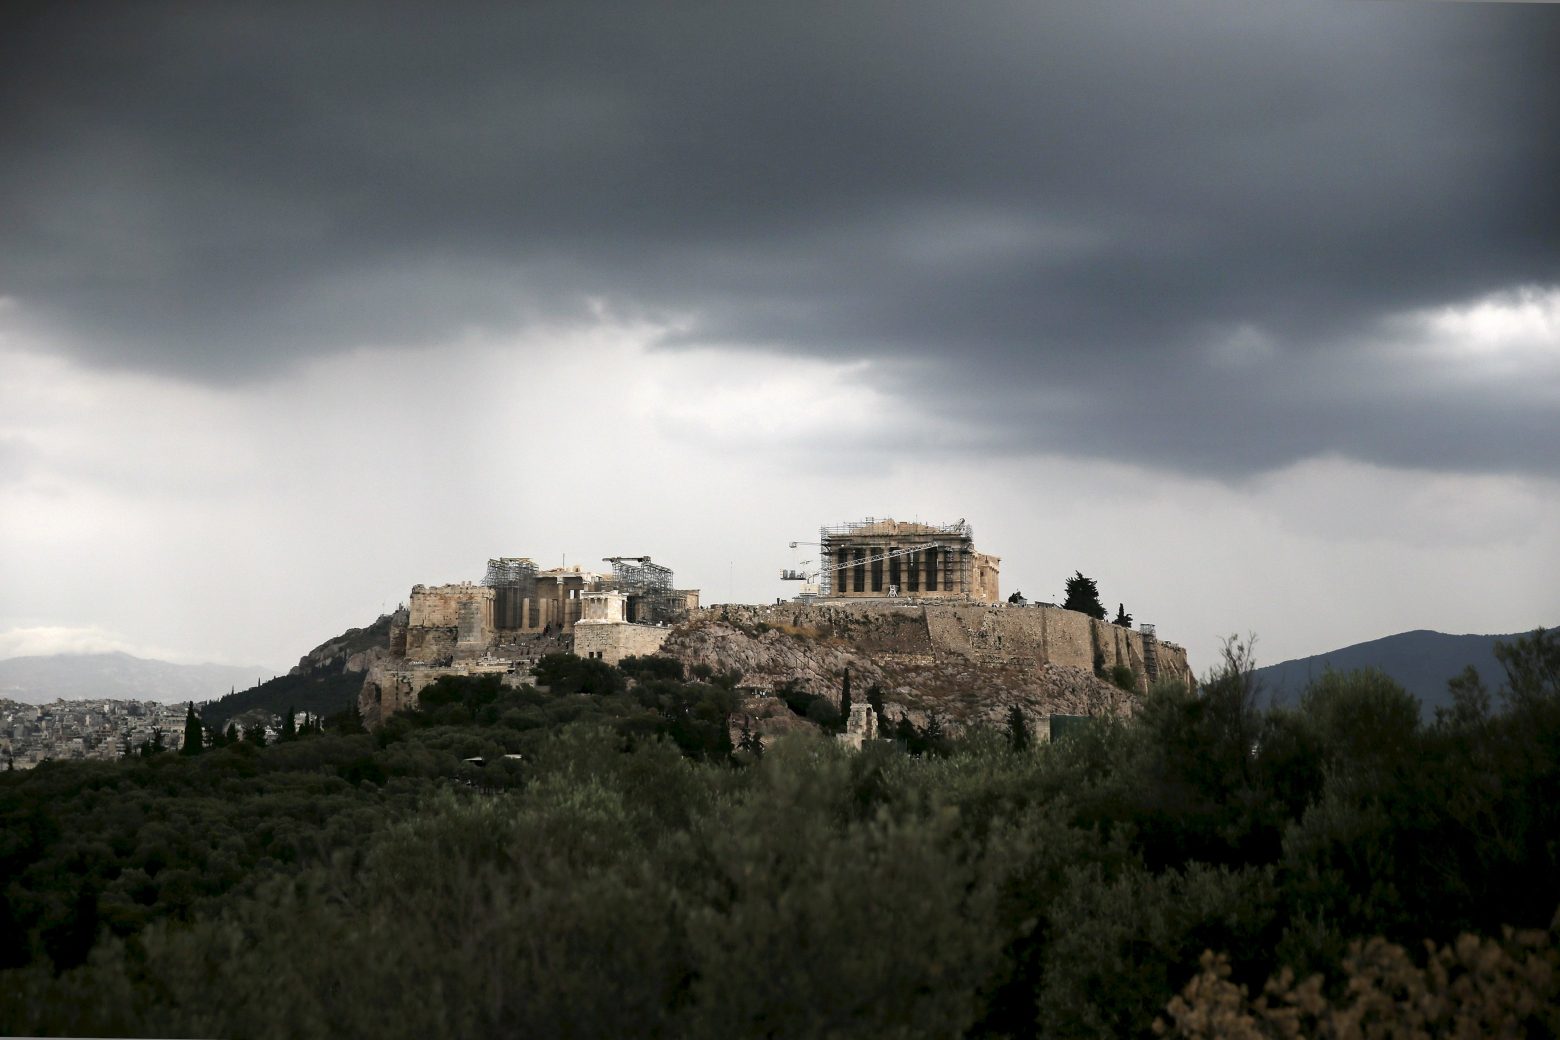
[751,742]
[565,673]
[347,721]
[652,667]
[1122,617]
[1123,677]
[916,741]
[1532,666]
[317,690]
[982,886]
[1084,596]
[1363,719]
[194,733]
[1019,737]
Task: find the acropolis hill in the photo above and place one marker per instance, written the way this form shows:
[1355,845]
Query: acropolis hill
[913,610]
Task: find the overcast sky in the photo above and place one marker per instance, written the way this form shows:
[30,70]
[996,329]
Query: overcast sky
[1249,311]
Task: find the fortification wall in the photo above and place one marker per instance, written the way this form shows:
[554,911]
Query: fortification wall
[611,641]
[425,645]
[973,660]
[442,606]
[987,635]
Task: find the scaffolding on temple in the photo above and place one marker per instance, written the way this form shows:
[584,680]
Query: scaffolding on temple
[649,586]
[835,533]
[513,581]
[509,571]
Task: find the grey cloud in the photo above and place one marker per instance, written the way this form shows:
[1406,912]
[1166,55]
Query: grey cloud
[1052,212]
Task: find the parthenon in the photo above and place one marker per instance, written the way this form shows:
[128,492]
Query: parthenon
[893,558]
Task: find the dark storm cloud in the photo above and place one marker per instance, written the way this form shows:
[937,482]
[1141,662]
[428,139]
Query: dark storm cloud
[1058,214]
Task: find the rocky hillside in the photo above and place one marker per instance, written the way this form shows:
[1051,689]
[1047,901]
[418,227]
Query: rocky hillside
[352,651]
[324,681]
[892,653]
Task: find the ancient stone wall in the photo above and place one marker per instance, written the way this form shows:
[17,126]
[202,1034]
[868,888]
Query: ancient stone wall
[426,645]
[969,661]
[986,635]
[611,641]
[440,606]
[1069,636]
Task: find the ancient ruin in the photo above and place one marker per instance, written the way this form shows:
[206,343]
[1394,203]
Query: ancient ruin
[970,663]
[911,609]
[877,559]
[517,614]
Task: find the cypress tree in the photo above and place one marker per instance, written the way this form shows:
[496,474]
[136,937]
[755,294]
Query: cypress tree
[935,737]
[845,701]
[751,742]
[289,726]
[1084,596]
[1019,737]
[194,732]
[353,719]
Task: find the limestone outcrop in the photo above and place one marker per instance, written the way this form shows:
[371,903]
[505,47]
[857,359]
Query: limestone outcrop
[351,652]
[968,664]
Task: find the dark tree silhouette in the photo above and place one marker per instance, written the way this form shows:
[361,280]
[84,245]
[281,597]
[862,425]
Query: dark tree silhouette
[194,733]
[1084,596]
[1019,737]
[845,697]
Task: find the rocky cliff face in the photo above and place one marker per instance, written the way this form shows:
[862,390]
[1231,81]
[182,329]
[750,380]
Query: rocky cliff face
[897,652]
[351,652]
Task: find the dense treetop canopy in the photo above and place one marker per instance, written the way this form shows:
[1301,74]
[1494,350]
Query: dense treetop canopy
[522,853]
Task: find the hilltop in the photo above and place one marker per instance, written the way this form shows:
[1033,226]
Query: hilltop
[325,680]
[1421,661]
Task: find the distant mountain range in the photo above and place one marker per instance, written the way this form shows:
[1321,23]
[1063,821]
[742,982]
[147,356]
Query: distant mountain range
[118,676]
[1421,661]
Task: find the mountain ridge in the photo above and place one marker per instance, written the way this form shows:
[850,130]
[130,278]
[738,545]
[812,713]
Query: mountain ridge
[116,675]
[1421,660]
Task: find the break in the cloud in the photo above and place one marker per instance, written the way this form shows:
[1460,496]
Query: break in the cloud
[1219,238]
